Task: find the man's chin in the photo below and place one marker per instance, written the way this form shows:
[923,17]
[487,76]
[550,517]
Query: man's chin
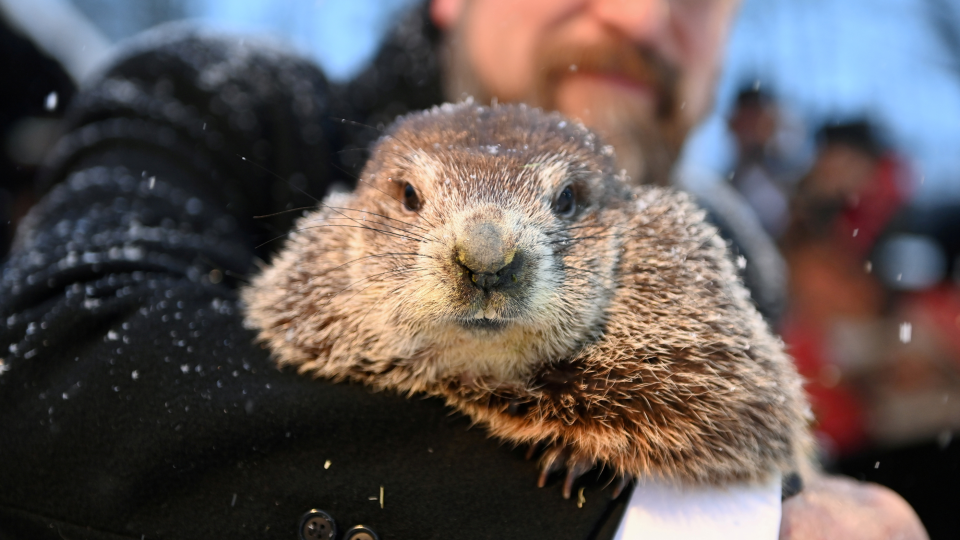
[600,99]
[624,113]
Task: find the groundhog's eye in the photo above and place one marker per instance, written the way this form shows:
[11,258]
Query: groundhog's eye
[411,201]
[566,203]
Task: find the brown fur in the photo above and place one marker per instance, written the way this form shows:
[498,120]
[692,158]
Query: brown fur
[631,341]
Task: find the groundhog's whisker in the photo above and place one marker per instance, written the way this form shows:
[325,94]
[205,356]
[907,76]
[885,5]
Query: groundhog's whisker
[361,180]
[378,129]
[414,225]
[284,212]
[423,237]
[389,294]
[373,276]
[379,255]
[418,236]
[359,222]
[278,177]
[398,271]
[274,239]
[388,233]
[315,277]
[419,215]
[408,236]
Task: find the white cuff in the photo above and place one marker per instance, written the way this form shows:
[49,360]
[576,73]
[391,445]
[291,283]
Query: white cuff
[738,512]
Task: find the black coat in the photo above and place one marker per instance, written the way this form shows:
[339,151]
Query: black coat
[134,403]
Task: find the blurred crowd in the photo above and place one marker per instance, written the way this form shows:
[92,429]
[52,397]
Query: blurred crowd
[873,318]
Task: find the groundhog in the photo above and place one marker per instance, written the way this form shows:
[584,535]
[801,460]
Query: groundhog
[494,257]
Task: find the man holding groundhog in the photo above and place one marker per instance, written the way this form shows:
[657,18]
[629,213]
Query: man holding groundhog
[132,400]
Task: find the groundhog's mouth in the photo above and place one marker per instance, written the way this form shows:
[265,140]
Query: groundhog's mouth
[483,324]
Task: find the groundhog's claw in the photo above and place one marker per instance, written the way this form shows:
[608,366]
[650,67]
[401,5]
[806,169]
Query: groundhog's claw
[556,458]
[575,469]
[532,451]
[552,461]
[621,483]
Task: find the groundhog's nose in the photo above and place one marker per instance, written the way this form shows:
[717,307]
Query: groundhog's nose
[490,259]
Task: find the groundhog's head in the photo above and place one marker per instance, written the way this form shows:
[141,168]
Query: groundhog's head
[480,242]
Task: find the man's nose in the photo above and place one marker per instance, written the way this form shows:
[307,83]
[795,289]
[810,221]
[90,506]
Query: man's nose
[638,20]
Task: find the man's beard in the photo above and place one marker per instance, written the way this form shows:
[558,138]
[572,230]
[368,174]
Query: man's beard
[647,141]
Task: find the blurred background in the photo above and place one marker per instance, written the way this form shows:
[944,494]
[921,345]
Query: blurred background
[838,121]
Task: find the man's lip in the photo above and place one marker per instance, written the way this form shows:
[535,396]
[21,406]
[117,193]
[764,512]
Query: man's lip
[617,80]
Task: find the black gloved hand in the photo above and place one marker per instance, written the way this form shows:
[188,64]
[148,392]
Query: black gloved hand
[184,103]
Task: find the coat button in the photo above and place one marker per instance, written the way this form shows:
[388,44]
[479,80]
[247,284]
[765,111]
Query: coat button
[317,525]
[361,533]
